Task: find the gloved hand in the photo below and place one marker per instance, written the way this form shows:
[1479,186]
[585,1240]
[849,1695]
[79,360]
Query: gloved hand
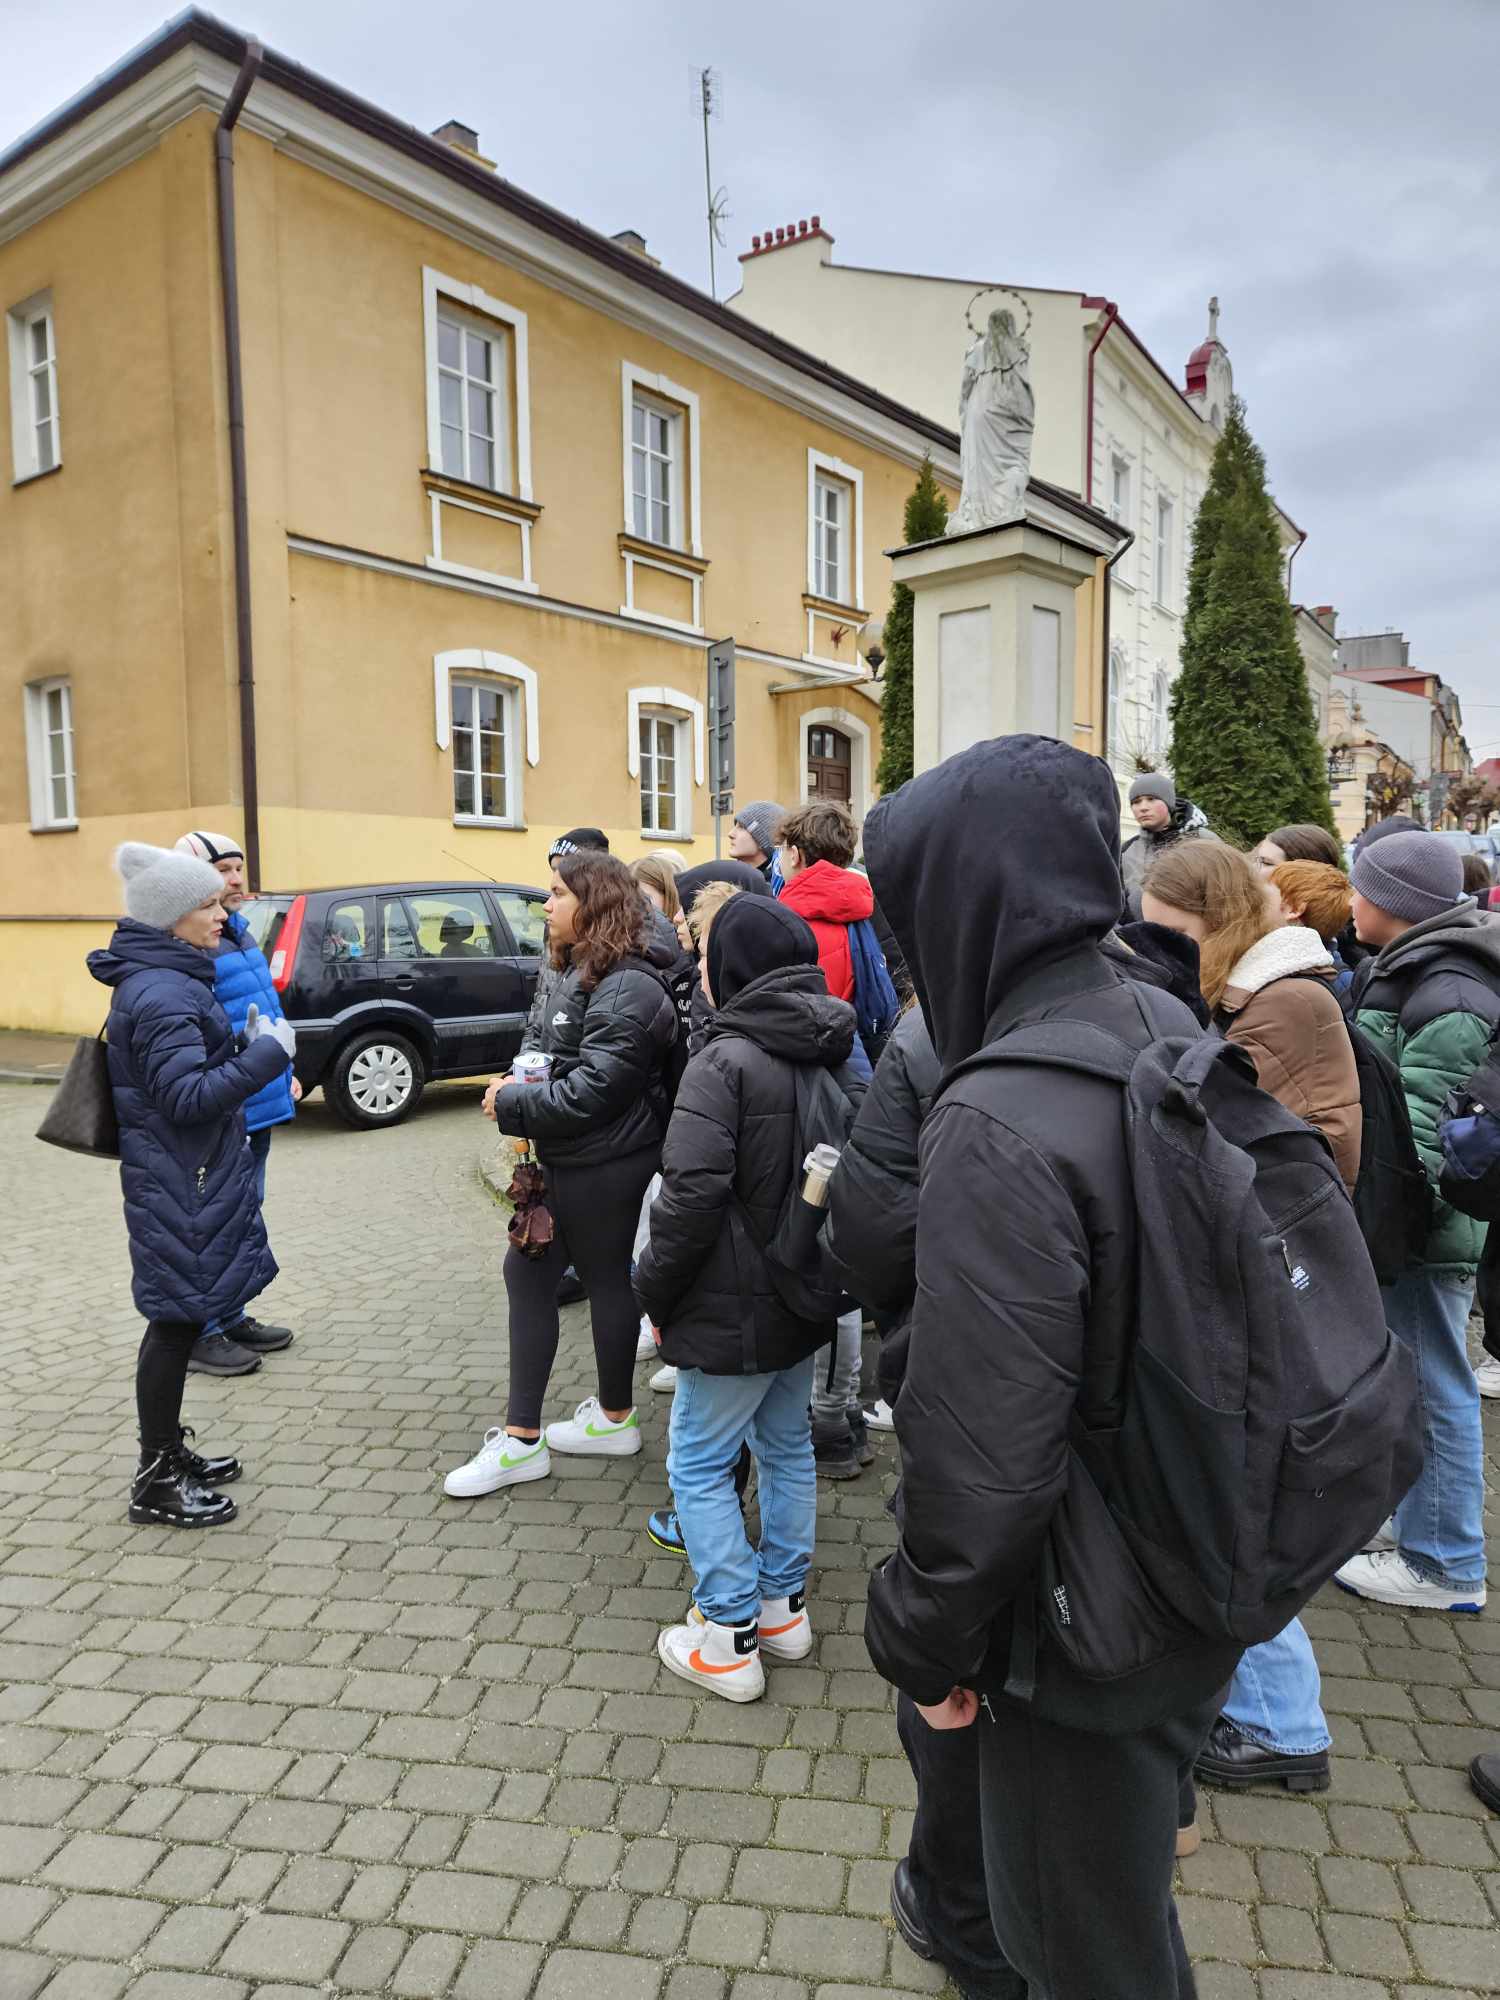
[281,1032]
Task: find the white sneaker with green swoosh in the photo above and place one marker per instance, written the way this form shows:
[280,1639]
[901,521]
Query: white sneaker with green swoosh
[591,1434]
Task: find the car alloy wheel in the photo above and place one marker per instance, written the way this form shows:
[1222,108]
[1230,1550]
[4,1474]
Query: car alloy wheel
[380,1080]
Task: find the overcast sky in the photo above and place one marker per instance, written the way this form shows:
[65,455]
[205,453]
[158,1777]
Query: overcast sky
[1330,168]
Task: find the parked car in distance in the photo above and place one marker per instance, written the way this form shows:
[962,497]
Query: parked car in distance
[1487,845]
[395,984]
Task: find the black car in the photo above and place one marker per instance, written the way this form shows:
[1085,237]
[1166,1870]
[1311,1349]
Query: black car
[396,983]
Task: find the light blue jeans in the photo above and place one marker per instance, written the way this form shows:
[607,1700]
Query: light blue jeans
[712,1416]
[1440,1523]
[1274,1698]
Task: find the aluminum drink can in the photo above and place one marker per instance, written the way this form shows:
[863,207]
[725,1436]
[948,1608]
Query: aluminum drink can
[531,1066]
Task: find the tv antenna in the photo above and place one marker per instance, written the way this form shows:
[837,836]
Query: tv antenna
[708,102]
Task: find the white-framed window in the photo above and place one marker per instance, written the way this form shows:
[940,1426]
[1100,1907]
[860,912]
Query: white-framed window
[478,386]
[1163,573]
[655,471]
[484,744]
[1114,703]
[660,459]
[665,754]
[49,754]
[835,530]
[36,429]
[1161,713]
[831,512]
[1119,489]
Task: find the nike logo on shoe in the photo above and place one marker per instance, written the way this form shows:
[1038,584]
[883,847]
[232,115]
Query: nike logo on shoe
[701,1666]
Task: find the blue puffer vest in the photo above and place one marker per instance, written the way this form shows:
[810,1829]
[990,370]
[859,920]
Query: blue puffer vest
[198,1247]
[242,977]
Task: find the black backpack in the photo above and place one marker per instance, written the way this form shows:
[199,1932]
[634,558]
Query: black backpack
[800,1269]
[1270,1419]
[1392,1196]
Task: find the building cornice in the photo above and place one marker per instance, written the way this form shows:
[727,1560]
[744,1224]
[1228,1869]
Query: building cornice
[190,66]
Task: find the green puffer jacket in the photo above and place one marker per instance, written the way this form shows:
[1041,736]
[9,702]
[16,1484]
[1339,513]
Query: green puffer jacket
[1431,1000]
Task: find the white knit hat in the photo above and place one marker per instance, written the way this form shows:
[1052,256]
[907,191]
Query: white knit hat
[162,885]
[210,846]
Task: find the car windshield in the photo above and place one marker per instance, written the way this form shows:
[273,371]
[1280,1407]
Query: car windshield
[261,915]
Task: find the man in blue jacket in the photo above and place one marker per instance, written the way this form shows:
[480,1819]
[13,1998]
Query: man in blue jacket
[242,979]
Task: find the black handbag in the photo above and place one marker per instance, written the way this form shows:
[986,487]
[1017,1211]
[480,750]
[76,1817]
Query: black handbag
[81,1116]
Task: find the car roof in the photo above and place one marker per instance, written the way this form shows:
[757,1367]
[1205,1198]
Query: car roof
[404,889]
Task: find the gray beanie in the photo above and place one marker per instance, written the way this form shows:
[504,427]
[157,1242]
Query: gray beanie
[210,846]
[1155,785]
[1411,875]
[162,885]
[763,819]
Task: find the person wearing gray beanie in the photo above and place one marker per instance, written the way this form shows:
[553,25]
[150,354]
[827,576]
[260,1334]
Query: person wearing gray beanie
[1154,785]
[755,833]
[1383,828]
[1163,819]
[1430,999]
[162,885]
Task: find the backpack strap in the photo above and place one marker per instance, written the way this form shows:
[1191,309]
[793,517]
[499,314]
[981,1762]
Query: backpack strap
[1077,1045]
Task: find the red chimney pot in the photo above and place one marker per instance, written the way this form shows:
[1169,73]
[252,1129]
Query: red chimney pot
[817,222]
[754,242]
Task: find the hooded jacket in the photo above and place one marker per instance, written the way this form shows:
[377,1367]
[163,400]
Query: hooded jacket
[732,1139]
[198,1247]
[1026,1223]
[1431,999]
[1279,1005]
[1187,822]
[606,1096]
[241,976]
[831,899]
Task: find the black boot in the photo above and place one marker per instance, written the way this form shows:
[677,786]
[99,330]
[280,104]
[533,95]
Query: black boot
[165,1493]
[207,1471]
[1232,1760]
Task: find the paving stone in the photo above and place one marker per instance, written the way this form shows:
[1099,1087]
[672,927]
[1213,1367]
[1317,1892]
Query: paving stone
[21,1910]
[103,1861]
[1366,1887]
[726,1936]
[191,1938]
[369,1963]
[448,1900]
[791,1881]
[1458,1957]
[1214,1928]
[827,1947]
[24,1973]
[110,1927]
[268,1947]
[827,1827]
[88,1981]
[428,1967]
[500,1972]
[585,1975]
[1288,1936]
[1365,1944]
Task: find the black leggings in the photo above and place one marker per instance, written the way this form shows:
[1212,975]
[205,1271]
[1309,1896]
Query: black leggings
[596,1210]
[160,1373]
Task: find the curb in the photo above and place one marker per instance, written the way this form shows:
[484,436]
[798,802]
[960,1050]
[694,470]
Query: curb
[28,1076]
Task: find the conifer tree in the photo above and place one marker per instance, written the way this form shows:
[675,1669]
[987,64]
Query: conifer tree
[926,519]
[1244,734]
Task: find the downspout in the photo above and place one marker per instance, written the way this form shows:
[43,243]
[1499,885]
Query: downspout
[1111,314]
[1108,595]
[229,285]
[1291,558]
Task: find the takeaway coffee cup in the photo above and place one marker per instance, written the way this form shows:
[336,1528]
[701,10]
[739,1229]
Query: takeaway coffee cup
[818,1167]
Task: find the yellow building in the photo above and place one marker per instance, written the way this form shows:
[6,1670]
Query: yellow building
[504,479]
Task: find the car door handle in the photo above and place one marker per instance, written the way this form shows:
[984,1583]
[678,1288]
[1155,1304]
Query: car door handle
[406,984]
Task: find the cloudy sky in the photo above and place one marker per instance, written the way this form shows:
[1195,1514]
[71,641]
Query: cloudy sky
[1331,168]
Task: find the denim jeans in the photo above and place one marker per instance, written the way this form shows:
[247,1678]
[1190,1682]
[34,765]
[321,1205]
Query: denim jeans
[831,1406]
[1274,1698]
[1440,1523]
[712,1416]
[260,1150]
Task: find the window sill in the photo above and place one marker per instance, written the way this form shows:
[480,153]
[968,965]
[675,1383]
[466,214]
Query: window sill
[470,489]
[664,836]
[830,607]
[500,825]
[1165,609]
[57,826]
[637,545]
[30,478]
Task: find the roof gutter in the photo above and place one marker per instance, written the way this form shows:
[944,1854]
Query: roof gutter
[1292,557]
[229,286]
[1111,314]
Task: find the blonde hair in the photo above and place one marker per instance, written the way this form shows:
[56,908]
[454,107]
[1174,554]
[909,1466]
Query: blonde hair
[1320,892]
[1204,878]
[658,873]
[673,857]
[710,899]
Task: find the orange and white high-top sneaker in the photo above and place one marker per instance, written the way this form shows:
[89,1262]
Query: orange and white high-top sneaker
[785,1629]
[725,1659]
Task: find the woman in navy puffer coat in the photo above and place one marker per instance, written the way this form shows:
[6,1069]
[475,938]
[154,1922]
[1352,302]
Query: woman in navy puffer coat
[197,1243]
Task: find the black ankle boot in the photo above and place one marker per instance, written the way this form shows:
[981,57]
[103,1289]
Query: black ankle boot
[207,1471]
[165,1493]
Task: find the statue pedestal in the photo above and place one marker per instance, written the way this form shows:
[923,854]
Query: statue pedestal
[1009,629]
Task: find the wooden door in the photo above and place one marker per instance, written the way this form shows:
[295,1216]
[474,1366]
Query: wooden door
[829,765]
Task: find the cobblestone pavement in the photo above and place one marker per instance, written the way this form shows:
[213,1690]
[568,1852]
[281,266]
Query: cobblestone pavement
[370,1741]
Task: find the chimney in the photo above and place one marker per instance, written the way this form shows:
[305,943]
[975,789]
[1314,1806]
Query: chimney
[1326,615]
[632,240]
[463,139]
[801,231]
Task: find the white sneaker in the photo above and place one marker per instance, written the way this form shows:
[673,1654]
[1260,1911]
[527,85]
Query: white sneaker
[1383,1538]
[590,1434]
[725,1659]
[645,1345]
[1388,1578]
[785,1629]
[500,1461]
[880,1416]
[664,1381]
[1487,1376]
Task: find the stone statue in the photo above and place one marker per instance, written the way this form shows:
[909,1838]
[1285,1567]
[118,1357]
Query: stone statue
[996,417]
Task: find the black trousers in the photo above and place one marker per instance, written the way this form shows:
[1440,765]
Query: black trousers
[946,1856]
[160,1376]
[1079,1832]
[596,1210]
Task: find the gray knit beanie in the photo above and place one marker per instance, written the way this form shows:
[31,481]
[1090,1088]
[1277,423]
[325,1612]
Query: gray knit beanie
[1155,785]
[162,885]
[1411,875]
[763,820]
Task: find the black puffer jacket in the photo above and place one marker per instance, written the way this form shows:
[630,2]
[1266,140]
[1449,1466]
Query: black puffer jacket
[701,1278]
[1026,1224]
[606,1096]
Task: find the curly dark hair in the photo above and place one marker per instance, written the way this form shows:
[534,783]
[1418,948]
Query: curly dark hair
[612,916]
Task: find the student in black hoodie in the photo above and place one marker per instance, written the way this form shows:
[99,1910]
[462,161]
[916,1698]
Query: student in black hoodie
[1021,1328]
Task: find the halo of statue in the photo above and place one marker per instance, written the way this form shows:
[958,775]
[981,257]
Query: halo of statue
[983,293]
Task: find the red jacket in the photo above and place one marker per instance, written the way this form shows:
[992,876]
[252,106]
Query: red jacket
[831,899]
